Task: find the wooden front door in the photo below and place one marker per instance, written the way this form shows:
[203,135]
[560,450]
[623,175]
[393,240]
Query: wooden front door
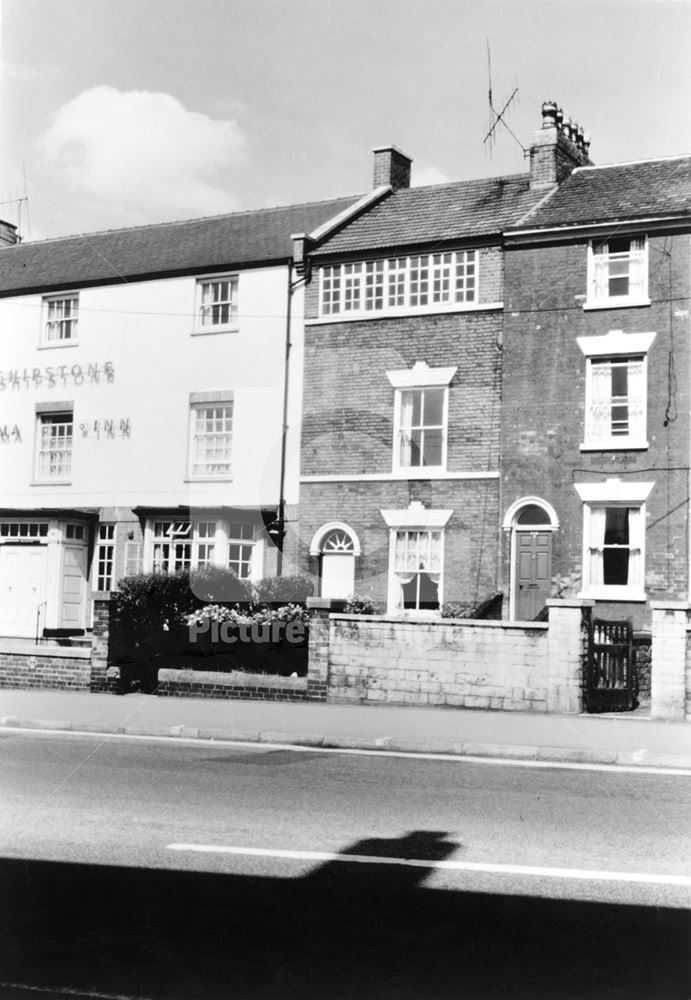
[73,587]
[533,572]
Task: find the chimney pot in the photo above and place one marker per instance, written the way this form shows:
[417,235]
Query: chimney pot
[391,167]
[549,114]
[560,118]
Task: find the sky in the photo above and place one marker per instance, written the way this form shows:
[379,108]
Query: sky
[122,112]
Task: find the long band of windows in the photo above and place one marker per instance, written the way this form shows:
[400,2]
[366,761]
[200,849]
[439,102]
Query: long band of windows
[400,283]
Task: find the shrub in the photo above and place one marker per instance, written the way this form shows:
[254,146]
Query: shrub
[454,609]
[220,585]
[291,589]
[360,606]
[159,600]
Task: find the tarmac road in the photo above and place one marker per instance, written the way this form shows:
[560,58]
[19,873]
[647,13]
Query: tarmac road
[151,868]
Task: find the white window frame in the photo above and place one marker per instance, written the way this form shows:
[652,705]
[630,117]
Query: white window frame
[415,518]
[243,542]
[443,281]
[47,415]
[181,531]
[600,261]
[419,378]
[202,314]
[600,496]
[104,554]
[616,347]
[71,322]
[200,401]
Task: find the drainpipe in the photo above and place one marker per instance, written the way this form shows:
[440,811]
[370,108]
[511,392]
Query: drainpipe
[277,528]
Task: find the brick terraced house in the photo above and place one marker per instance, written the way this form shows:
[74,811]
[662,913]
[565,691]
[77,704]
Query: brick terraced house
[596,443]
[141,406]
[401,440]
[496,390]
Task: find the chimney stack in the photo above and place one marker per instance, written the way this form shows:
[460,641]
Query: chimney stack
[559,147]
[8,234]
[392,167]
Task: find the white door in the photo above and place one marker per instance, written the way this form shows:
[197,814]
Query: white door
[338,575]
[22,588]
[73,587]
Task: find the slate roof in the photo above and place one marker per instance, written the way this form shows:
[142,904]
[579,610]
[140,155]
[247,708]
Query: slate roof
[617,193]
[194,246]
[463,209]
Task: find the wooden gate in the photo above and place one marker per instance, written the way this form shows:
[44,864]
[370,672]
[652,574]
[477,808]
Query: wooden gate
[611,684]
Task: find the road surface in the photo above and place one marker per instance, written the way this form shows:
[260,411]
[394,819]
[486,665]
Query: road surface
[163,869]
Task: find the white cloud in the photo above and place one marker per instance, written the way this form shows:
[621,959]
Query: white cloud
[429,175]
[135,156]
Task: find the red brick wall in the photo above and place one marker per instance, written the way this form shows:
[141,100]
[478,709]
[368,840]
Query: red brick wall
[28,670]
[348,401]
[544,400]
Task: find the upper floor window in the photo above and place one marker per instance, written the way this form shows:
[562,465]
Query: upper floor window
[211,434]
[55,434]
[60,318]
[217,303]
[420,418]
[618,272]
[615,390]
[422,427]
[400,284]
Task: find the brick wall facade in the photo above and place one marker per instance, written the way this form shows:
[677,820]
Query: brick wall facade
[46,667]
[544,405]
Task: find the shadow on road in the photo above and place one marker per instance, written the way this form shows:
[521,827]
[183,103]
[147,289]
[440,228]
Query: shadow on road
[344,931]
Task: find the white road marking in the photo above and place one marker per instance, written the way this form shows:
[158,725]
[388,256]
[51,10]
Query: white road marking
[457,866]
[68,991]
[676,772]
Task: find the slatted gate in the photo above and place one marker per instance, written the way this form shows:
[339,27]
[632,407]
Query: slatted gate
[611,684]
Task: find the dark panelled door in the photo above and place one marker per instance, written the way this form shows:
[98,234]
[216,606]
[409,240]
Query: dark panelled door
[533,572]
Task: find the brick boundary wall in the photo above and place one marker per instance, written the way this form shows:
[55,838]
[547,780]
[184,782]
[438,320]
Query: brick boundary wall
[59,668]
[507,666]
[211,684]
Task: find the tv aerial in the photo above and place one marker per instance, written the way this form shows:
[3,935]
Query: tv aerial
[497,118]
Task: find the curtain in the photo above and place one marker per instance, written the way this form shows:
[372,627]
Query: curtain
[596,540]
[406,455]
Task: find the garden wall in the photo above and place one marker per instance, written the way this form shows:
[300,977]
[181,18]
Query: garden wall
[45,666]
[509,666]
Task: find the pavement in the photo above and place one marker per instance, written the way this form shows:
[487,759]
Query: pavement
[627,739]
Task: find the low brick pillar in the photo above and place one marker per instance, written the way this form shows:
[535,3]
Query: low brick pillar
[100,643]
[318,650]
[668,660]
[566,644]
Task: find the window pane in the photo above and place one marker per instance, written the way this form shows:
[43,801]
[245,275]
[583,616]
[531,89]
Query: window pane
[434,407]
[617,526]
[615,567]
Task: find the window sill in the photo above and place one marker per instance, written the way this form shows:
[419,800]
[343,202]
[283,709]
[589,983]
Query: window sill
[438,310]
[49,344]
[208,479]
[50,482]
[616,303]
[632,594]
[204,332]
[616,444]
[419,472]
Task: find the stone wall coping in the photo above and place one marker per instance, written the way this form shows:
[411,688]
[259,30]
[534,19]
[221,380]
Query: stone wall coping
[326,603]
[670,605]
[570,602]
[20,648]
[437,622]
[232,679]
